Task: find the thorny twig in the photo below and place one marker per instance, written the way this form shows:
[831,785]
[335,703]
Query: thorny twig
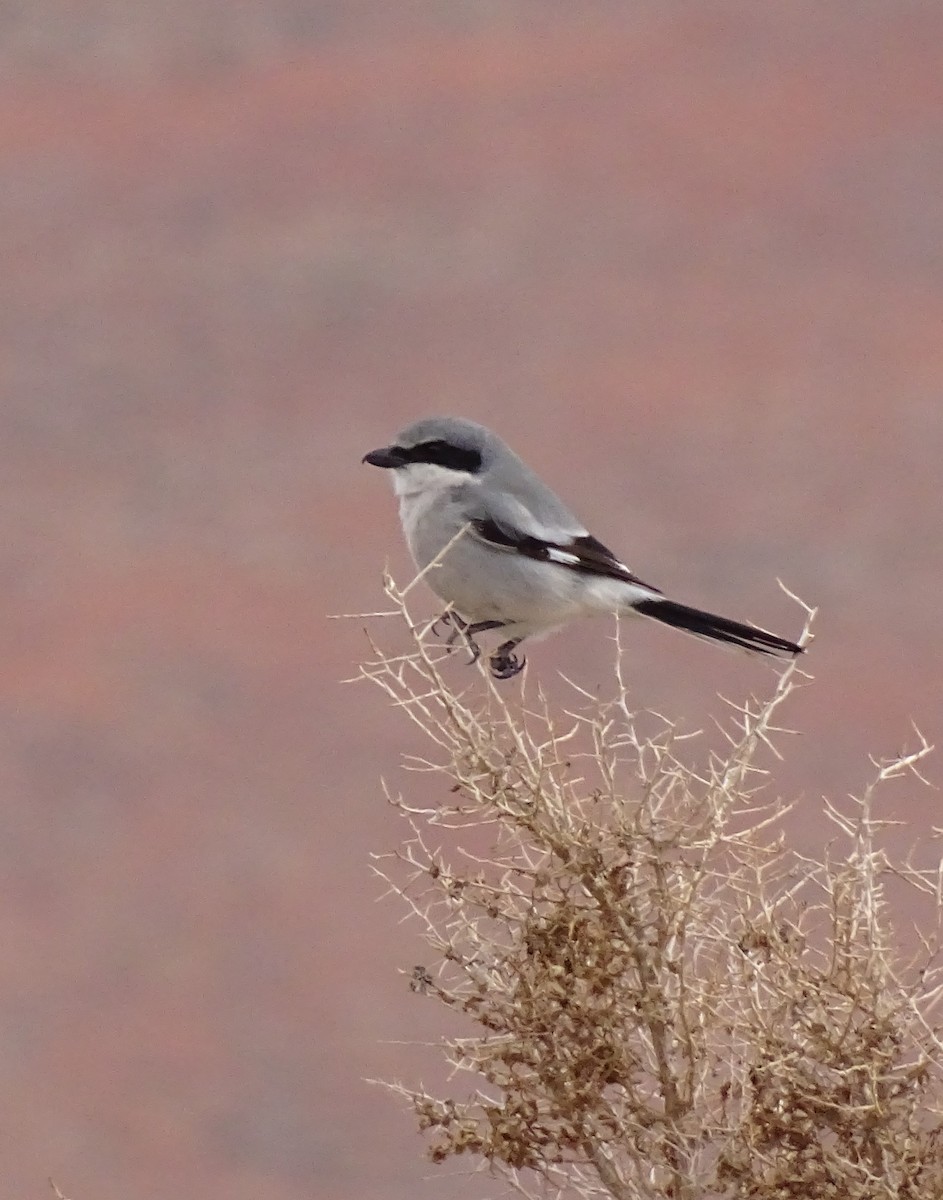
[670,1001]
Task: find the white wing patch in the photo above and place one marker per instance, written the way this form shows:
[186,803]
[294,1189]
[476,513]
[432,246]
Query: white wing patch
[568,559]
[563,556]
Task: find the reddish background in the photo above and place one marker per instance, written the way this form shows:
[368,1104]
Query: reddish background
[688,259]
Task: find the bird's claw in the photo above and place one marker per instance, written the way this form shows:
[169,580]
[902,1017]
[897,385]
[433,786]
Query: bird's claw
[458,629]
[474,651]
[505,664]
[447,619]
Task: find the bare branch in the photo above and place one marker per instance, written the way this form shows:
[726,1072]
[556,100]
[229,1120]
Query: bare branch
[668,1000]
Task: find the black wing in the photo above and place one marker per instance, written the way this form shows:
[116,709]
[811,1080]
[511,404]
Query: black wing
[584,554]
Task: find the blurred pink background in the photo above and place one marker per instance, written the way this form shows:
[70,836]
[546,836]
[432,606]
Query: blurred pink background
[688,259]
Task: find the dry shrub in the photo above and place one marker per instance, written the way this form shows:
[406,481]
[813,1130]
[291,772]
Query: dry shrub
[668,999]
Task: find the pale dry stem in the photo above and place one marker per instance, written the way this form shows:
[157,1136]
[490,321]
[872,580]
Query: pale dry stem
[665,999]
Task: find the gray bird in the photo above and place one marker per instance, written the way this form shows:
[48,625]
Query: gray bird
[508,555]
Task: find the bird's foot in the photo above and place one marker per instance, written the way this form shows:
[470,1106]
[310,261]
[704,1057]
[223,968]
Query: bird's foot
[479,627]
[504,663]
[452,621]
[460,629]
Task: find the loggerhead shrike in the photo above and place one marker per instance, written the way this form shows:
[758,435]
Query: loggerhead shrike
[507,554]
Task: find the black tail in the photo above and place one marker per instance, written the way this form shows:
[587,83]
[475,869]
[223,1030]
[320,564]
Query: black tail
[720,629]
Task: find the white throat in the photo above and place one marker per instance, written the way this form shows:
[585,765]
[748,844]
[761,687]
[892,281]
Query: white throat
[426,479]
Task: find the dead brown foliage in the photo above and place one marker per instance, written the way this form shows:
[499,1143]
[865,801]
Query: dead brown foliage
[668,1000]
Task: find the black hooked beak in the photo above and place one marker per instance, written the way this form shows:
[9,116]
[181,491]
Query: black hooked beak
[386,456]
